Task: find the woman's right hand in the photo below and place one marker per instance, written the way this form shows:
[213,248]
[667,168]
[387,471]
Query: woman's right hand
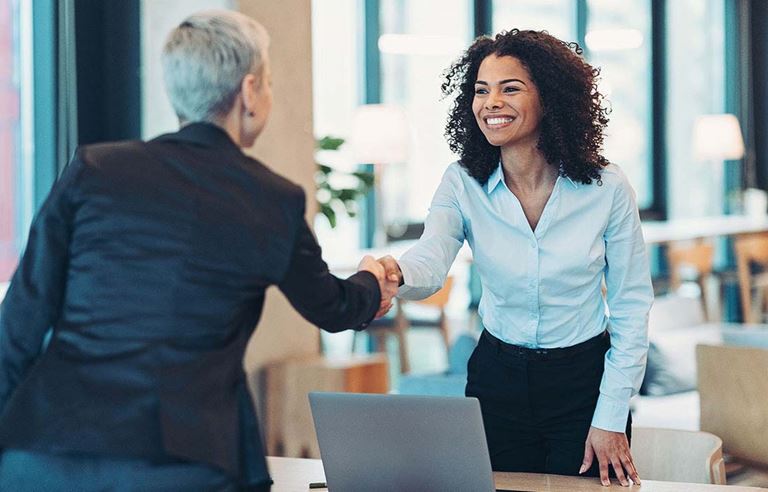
[394,275]
[391,269]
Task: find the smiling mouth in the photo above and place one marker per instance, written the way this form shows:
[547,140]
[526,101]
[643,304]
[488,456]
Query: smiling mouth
[494,122]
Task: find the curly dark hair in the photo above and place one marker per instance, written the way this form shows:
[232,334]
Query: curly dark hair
[573,115]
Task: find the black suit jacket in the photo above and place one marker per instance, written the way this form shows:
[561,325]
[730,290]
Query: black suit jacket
[148,265]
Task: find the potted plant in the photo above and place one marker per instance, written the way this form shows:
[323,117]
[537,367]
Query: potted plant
[332,197]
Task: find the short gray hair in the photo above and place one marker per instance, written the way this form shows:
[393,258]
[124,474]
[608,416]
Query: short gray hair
[205,59]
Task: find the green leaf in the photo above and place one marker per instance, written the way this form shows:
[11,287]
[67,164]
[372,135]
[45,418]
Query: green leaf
[329,214]
[365,177]
[348,194]
[329,143]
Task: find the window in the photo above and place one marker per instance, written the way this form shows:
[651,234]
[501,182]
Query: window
[695,42]
[618,40]
[418,41]
[16,176]
[558,17]
[336,72]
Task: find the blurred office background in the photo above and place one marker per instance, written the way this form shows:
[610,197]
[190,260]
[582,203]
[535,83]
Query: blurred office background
[74,72]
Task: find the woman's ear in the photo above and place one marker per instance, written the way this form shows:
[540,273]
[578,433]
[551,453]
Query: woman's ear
[249,88]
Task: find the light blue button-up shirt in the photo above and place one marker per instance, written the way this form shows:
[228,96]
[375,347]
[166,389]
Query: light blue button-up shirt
[542,288]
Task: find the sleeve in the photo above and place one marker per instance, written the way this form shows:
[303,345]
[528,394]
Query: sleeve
[321,298]
[629,297]
[426,264]
[33,302]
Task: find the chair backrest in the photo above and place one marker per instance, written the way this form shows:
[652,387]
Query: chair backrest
[751,249]
[672,312]
[698,255]
[733,389]
[439,298]
[678,456]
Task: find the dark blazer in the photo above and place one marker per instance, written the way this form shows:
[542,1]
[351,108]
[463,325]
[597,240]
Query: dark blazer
[148,265]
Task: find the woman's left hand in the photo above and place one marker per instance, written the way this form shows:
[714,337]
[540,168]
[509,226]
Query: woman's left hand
[610,448]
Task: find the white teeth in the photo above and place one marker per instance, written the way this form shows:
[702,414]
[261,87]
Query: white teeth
[498,121]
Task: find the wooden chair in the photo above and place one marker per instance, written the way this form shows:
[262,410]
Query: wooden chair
[733,389]
[401,323]
[673,455]
[698,256]
[438,301]
[288,425]
[752,250]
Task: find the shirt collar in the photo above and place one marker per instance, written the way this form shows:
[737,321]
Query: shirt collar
[495,178]
[573,183]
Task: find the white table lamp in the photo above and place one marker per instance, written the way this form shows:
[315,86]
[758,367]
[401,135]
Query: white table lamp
[717,137]
[380,136]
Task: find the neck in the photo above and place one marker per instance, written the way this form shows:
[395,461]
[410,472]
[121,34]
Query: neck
[526,168]
[232,124]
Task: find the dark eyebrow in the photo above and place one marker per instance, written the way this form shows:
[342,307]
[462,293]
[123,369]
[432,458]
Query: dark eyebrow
[505,81]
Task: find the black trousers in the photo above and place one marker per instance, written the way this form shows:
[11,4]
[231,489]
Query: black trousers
[537,405]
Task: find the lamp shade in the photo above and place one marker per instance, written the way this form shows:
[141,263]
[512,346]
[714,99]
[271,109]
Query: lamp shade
[380,134]
[717,136]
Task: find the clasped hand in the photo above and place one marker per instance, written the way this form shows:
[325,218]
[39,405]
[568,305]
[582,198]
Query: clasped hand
[388,274]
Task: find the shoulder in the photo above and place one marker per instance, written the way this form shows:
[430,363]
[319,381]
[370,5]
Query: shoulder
[280,185]
[100,154]
[457,178]
[615,180]
[623,196]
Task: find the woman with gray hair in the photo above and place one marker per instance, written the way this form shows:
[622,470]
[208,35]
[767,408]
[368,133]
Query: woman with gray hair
[123,331]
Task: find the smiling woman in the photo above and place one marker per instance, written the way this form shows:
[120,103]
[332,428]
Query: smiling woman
[571,133]
[545,214]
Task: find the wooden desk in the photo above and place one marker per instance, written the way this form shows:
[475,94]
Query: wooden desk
[295,474]
[664,231]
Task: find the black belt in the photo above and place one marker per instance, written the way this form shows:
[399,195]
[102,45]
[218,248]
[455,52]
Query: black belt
[601,340]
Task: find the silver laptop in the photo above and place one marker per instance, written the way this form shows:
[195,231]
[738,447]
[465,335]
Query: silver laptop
[401,443]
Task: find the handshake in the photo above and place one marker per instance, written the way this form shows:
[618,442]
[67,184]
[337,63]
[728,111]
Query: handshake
[390,277]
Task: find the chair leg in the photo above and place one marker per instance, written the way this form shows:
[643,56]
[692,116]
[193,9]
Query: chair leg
[763,306]
[444,332]
[703,290]
[401,329]
[402,347]
[756,308]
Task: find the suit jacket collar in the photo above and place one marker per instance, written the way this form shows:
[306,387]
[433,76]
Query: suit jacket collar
[204,134]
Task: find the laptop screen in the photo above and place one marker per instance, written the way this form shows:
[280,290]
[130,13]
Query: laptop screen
[401,442]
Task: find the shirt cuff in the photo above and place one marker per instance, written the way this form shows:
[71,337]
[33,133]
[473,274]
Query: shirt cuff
[610,414]
[408,291]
